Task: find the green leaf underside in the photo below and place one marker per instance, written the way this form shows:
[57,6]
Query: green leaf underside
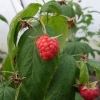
[51,7]
[96,66]
[63,80]
[3,18]
[31,10]
[38,72]
[68,11]
[84,76]
[7,93]
[59,26]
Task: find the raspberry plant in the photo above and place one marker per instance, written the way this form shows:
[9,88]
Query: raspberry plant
[29,75]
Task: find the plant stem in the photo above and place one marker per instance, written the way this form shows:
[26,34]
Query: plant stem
[47,17]
[7,72]
[44,29]
[77,55]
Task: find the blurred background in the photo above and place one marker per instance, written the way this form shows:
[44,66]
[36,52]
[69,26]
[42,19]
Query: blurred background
[9,8]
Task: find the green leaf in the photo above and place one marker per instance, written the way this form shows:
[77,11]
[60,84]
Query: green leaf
[90,68]
[6,66]
[83,28]
[37,71]
[89,19]
[96,66]
[63,79]
[84,75]
[31,10]
[3,19]
[78,9]
[72,48]
[86,8]
[81,38]
[5,83]
[22,95]
[90,34]
[93,11]
[59,27]
[68,11]
[73,30]
[7,93]
[78,97]
[51,7]
[70,3]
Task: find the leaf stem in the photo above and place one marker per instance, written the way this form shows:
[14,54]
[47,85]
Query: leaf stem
[77,55]
[40,21]
[7,72]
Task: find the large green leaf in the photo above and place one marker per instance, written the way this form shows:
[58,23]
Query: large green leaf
[31,10]
[68,11]
[51,7]
[96,66]
[63,80]
[73,48]
[59,27]
[3,18]
[84,75]
[7,93]
[38,72]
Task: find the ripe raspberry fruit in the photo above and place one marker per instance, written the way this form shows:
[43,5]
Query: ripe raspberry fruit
[89,93]
[47,47]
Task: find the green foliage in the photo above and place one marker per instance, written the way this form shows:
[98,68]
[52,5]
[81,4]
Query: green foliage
[59,27]
[84,76]
[6,66]
[32,78]
[3,18]
[78,9]
[96,66]
[6,93]
[73,48]
[78,97]
[30,11]
[51,7]
[63,80]
[68,11]
[33,67]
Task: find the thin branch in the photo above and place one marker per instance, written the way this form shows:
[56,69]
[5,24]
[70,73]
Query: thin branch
[43,1]
[13,6]
[22,4]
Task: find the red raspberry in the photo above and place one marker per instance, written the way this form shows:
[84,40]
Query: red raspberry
[80,87]
[47,47]
[88,93]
